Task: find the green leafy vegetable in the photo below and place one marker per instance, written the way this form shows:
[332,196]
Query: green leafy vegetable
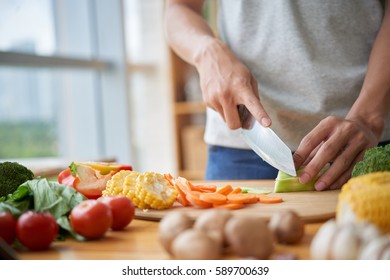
[374,160]
[44,195]
[288,183]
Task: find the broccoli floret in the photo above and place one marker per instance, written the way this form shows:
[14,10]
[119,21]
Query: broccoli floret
[12,175]
[375,159]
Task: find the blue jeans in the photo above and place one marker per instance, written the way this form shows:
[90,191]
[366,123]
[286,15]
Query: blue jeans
[239,164]
[236,164]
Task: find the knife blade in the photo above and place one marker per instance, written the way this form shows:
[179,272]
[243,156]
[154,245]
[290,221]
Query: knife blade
[264,142]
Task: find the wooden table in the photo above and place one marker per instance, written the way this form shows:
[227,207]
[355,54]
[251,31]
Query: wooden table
[139,241]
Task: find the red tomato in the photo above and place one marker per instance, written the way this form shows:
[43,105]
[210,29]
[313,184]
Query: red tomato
[91,219]
[122,210]
[7,227]
[36,230]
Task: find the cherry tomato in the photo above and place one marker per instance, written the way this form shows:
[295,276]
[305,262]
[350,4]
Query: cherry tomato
[7,227]
[122,210]
[91,219]
[36,230]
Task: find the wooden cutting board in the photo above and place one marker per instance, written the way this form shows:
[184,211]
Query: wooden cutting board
[311,206]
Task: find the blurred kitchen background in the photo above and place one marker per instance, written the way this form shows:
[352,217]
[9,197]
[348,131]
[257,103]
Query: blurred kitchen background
[95,80]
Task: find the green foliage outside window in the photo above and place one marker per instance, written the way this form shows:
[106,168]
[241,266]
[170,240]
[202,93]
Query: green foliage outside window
[27,139]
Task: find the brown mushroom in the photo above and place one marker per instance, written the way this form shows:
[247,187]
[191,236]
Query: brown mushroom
[249,237]
[194,244]
[171,226]
[287,226]
[213,222]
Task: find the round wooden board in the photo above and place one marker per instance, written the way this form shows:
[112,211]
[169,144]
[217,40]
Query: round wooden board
[311,206]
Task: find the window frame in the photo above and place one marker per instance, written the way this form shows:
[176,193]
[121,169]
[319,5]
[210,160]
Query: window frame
[109,61]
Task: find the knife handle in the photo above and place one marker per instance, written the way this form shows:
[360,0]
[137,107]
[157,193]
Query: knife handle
[246,118]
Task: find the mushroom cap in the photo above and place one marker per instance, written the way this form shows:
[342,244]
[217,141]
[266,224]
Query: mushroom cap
[249,237]
[194,244]
[171,226]
[287,226]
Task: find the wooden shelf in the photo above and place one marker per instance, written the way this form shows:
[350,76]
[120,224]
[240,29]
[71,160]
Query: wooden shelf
[192,174]
[193,107]
[191,150]
[188,114]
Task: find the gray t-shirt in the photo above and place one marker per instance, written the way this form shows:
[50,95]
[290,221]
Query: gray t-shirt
[309,58]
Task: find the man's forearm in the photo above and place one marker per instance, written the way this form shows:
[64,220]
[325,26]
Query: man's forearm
[373,105]
[187,32]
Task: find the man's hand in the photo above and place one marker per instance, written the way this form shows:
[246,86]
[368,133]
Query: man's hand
[344,141]
[226,83]
[339,141]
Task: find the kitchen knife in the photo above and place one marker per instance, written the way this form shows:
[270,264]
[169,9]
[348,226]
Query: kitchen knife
[265,142]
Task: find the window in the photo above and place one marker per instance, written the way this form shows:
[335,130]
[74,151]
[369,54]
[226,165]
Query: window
[84,80]
[149,83]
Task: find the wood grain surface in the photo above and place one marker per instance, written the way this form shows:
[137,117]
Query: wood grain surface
[139,241]
[311,206]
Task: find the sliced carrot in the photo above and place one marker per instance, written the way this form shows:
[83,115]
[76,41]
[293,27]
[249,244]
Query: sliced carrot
[183,187]
[181,197]
[263,198]
[202,188]
[225,190]
[213,198]
[183,200]
[208,188]
[183,182]
[190,185]
[194,198]
[230,206]
[241,197]
[252,199]
[236,190]
[169,178]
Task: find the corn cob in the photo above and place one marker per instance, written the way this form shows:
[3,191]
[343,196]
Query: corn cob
[366,199]
[147,190]
[129,190]
[123,183]
[154,190]
[115,184]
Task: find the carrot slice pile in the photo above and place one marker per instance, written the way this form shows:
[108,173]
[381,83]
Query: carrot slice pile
[207,196]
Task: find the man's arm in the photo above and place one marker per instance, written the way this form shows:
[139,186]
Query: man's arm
[224,80]
[344,141]
[186,31]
